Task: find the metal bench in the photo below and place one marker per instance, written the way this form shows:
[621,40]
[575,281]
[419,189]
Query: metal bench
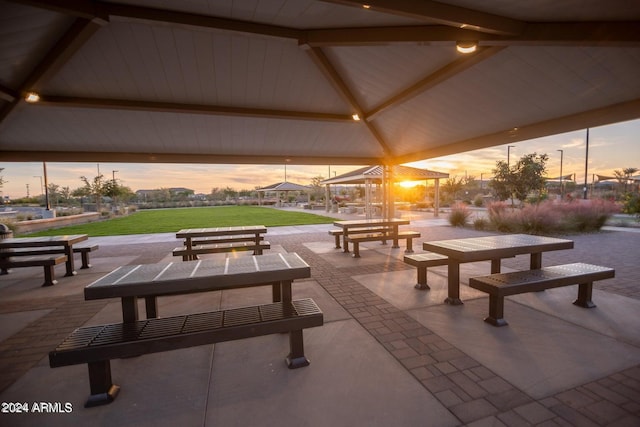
[98,345]
[193,253]
[224,239]
[338,233]
[46,261]
[383,236]
[500,285]
[82,248]
[422,261]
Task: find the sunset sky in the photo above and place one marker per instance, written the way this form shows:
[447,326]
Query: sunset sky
[610,147]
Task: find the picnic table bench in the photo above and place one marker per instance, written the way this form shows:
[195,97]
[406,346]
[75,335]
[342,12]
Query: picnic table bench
[338,233]
[47,261]
[198,241]
[500,285]
[42,251]
[83,249]
[424,260]
[97,345]
[493,248]
[194,251]
[383,236]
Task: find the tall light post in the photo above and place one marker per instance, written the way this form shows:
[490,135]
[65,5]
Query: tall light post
[509,147]
[561,155]
[586,167]
[113,176]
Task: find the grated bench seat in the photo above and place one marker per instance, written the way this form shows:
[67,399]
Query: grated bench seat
[46,261]
[501,285]
[422,261]
[98,345]
[224,239]
[383,236]
[220,248]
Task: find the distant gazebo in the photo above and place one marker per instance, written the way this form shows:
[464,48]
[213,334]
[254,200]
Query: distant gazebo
[385,176]
[282,187]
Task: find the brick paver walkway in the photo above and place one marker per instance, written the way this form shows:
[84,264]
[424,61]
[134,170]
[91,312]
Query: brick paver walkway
[471,391]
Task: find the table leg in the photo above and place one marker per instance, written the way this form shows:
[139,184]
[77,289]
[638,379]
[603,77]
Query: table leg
[395,238]
[285,289]
[129,309]
[68,251]
[536,261]
[345,244]
[495,266]
[453,277]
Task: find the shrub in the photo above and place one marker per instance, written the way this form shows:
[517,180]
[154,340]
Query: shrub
[459,215]
[550,217]
[501,217]
[478,201]
[480,223]
[540,218]
[584,216]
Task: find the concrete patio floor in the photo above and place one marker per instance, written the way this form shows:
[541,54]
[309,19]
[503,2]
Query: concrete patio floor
[388,354]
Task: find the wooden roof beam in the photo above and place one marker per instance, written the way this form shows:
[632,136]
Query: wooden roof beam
[436,12]
[200,158]
[169,107]
[340,85]
[448,71]
[543,34]
[67,46]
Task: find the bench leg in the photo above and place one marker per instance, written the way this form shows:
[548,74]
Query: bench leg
[584,295]
[409,246]
[49,276]
[337,237]
[356,249]
[103,391]
[85,260]
[496,311]
[422,279]
[296,358]
[151,307]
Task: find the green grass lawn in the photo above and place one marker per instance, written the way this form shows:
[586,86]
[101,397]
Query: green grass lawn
[172,220]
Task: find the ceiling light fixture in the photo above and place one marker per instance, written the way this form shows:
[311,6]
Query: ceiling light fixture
[32,97]
[356,117]
[366,6]
[466,46]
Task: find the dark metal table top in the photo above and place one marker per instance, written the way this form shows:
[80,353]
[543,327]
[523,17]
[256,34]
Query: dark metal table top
[198,276]
[221,231]
[30,242]
[499,246]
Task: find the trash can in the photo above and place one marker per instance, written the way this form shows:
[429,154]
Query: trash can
[5,233]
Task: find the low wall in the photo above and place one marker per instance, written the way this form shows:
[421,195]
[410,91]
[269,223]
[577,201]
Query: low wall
[23,227]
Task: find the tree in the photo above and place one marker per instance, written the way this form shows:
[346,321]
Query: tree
[530,171]
[317,189]
[452,186]
[519,180]
[624,176]
[94,188]
[502,181]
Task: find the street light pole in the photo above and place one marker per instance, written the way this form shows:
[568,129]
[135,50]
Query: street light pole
[586,167]
[561,155]
[113,176]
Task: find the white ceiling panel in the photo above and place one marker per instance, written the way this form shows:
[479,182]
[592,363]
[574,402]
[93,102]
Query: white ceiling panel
[224,81]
